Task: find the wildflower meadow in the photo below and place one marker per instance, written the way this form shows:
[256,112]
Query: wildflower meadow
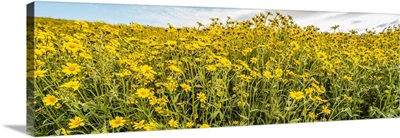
[94,77]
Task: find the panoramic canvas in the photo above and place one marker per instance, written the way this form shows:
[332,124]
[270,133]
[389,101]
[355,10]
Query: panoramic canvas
[107,68]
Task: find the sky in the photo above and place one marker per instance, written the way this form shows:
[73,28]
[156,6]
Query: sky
[188,16]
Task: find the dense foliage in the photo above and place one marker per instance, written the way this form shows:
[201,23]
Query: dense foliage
[94,77]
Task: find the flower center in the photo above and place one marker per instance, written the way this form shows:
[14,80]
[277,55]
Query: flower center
[72,46]
[117,121]
[52,100]
[38,73]
[77,122]
[71,68]
[73,85]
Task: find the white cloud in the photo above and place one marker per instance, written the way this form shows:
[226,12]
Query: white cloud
[189,16]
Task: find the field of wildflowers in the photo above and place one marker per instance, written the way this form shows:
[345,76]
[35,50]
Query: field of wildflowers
[93,77]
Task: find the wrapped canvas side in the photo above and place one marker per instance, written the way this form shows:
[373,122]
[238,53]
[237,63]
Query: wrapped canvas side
[30,89]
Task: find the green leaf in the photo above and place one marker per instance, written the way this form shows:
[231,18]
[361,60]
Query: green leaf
[255,110]
[244,117]
[214,114]
[58,132]
[104,129]
[176,98]
[295,120]
[223,100]
[95,132]
[221,115]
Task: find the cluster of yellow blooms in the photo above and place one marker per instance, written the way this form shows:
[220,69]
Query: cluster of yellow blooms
[94,77]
